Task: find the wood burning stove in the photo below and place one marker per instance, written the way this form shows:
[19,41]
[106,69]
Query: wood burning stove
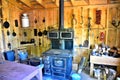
[58,63]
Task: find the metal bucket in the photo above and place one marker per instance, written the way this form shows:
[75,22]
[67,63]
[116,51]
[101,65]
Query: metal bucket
[22,55]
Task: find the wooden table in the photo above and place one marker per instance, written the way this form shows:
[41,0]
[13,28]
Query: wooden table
[16,71]
[105,60]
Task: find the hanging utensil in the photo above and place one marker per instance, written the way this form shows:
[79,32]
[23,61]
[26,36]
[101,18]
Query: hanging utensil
[89,27]
[81,16]
[25,34]
[35,21]
[43,20]
[8,33]
[14,34]
[35,32]
[74,20]
[39,33]
[39,41]
[9,45]
[45,31]
[16,23]
[6,24]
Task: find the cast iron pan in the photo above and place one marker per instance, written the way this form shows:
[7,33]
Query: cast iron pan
[6,24]
[45,31]
[39,33]
[14,34]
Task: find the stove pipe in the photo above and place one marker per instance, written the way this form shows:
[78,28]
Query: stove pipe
[61,14]
[61,22]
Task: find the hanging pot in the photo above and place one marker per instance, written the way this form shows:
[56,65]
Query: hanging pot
[14,34]
[39,33]
[6,24]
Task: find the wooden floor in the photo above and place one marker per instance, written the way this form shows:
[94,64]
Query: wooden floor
[86,76]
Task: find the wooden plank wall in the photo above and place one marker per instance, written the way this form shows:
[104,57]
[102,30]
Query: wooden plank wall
[80,26]
[11,13]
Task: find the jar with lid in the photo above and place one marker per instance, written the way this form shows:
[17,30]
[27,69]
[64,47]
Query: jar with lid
[25,20]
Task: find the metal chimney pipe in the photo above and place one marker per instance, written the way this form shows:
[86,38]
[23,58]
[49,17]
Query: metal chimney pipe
[61,14]
[61,22]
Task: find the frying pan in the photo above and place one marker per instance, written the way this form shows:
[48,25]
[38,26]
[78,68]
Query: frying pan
[45,31]
[39,33]
[6,24]
[14,34]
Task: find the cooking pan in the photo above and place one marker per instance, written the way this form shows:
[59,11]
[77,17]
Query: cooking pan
[39,33]
[6,24]
[45,31]
[14,34]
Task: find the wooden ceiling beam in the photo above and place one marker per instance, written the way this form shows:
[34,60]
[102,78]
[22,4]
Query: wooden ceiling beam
[26,2]
[17,4]
[57,3]
[79,2]
[41,3]
[72,2]
[53,0]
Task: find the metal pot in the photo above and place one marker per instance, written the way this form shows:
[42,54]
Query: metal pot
[34,61]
